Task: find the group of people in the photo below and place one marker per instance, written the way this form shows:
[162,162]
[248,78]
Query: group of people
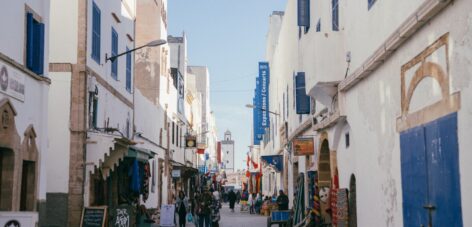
[203,210]
[256,201]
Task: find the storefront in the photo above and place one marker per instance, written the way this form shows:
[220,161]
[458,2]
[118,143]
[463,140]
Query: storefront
[122,182]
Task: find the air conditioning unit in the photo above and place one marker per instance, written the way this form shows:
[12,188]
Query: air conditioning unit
[92,84]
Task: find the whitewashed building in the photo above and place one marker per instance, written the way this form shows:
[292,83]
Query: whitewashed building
[390,122]
[24,87]
[93,112]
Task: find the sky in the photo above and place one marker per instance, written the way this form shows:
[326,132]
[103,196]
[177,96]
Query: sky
[229,37]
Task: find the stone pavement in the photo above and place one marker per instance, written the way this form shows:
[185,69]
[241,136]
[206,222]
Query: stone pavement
[239,219]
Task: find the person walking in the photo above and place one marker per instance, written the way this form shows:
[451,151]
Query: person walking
[231,199]
[182,208]
[282,200]
[215,211]
[203,209]
[250,203]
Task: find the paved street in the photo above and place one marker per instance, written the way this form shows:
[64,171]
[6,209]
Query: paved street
[238,219]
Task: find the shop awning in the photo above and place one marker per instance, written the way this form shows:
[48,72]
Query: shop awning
[141,154]
[275,161]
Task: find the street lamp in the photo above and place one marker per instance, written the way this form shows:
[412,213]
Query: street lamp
[154,43]
[255,107]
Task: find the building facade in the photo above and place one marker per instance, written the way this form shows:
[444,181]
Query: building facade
[24,87]
[389,117]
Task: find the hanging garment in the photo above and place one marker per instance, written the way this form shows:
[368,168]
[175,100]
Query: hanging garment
[135,179]
[146,176]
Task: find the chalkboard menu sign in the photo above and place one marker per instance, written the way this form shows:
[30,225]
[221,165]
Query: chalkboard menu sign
[94,217]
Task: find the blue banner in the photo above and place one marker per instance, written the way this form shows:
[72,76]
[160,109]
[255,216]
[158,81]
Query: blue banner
[277,161]
[261,103]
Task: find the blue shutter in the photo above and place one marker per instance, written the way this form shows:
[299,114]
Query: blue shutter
[302,100]
[335,15]
[128,70]
[114,52]
[304,13]
[96,28]
[29,41]
[318,25]
[370,3]
[40,49]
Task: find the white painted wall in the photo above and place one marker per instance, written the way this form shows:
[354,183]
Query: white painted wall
[64,21]
[59,134]
[33,110]
[374,104]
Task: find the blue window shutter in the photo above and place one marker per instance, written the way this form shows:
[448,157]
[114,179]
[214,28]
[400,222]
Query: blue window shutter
[304,13]
[370,3]
[29,41]
[96,29]
[40,49]
[318,25]
[302,100]
[128,71]
[335,15]
[114,52]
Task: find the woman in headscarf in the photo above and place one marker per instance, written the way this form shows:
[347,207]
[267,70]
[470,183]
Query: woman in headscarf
[182,208]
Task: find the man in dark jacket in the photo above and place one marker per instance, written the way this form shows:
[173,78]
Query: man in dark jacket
[203,209]
[282,201]
[232,199]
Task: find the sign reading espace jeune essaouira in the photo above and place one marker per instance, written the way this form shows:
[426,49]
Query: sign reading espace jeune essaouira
[12,82]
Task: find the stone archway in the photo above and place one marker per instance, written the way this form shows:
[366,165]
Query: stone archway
[9,150]
[28,168]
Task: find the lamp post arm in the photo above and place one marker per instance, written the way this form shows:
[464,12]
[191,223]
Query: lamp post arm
[113,58]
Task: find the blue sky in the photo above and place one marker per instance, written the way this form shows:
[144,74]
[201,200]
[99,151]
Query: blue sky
[228,36]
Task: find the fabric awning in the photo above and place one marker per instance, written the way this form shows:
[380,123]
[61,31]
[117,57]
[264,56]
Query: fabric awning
[274,160]
[140,154]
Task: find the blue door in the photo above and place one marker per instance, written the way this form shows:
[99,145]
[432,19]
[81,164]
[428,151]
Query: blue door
[430,174]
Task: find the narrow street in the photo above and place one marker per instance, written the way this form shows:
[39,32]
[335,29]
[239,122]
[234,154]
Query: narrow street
[238,218]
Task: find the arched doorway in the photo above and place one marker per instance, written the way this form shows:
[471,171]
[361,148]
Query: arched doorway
[352,202]
[324,181]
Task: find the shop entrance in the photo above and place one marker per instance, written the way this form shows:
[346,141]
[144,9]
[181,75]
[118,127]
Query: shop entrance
[430,174]
[352,202]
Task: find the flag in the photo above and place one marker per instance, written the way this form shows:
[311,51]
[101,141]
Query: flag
[256,166]
[200,151]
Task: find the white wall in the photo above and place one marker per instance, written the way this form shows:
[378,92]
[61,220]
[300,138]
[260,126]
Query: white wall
[64,22]
[59,133]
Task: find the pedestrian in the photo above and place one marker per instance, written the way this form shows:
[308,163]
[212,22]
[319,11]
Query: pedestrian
[282,200]
[250,203]
[258,204]
[182,208]
[194,208]
[203,209]
[232,199]
[215,212]
[238,196]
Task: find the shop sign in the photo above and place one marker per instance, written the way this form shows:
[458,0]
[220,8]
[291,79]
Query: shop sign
[18,219]
[190,142]
[93,216]
[167,215]
[12,82]
[303,146]
[176,173]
